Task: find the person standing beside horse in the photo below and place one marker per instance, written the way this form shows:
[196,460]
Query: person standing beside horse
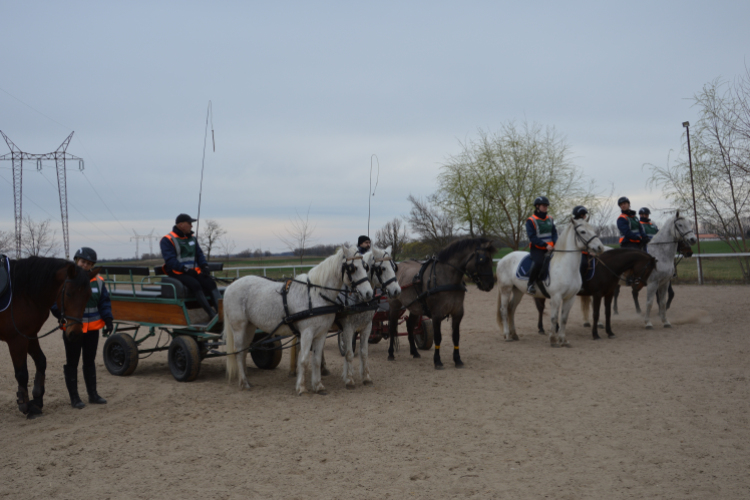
[96,316]
[631,231]
[542,233]
[184,261]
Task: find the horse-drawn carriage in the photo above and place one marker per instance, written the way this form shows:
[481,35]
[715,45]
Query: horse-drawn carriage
[161,305]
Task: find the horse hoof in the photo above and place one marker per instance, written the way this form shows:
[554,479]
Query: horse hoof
[439,367]
[351,386]
[391,358]
[649,327]
[32,416]
[554,345]
[459,365]
[367,382]
[596,337]
[566,344]
[416,355]
[322,393]
[667,326]
[587,325]
[610,335]
[509,340]
[324,372]
[542,332]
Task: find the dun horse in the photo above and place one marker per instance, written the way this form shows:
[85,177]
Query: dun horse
[608,268]
[435,289]
[255,302]
[36,283]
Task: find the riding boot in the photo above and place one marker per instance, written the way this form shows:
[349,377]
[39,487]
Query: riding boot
[89,376]
[203,302]
[71,382]
[215,298]
[533,273]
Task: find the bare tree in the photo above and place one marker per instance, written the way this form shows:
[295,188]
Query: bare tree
[210,237]
[435,227]
[227,247]
[7,242]
[299,235]
[38,238]
[393,234]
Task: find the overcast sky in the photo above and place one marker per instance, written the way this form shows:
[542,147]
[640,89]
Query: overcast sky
[305,92]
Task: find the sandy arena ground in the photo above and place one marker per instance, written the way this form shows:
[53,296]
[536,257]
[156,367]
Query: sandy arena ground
[649,414]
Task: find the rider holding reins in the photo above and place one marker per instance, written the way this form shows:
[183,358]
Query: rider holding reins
[542,233]
[631,231]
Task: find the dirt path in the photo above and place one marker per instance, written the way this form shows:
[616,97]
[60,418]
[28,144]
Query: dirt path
[649,414]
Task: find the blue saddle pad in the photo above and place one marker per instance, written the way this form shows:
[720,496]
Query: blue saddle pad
[588,270]
[6,290]
[522,272]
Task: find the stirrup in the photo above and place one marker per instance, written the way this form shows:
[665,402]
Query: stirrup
[531,289]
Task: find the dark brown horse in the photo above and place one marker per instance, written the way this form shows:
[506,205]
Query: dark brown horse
[685,251]
[609,267]
[435,289]
[36,284]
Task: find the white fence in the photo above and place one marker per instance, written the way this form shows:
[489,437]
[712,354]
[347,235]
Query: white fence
[699,258]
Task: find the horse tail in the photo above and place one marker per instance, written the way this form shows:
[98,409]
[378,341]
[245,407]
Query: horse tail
[585,305]
[228,334]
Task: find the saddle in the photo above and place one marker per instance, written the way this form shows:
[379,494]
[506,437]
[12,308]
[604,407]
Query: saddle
[588,267]
[5,288]
[524,267]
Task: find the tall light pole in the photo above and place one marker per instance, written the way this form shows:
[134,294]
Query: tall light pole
[695,207]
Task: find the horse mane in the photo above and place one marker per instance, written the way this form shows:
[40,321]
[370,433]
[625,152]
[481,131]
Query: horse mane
[461,245]
[32,276]
[330,266]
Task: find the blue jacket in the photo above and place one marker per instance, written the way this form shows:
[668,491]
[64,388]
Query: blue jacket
[531,233]
[168,252]
[623,225]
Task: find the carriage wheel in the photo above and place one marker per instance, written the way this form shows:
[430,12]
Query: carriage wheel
[424,334]
[184,358]
[268,356]
[342,347]
[120,354]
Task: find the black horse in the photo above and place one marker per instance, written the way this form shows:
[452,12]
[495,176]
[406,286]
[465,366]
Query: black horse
[435,289]
[609,267]
[36,284]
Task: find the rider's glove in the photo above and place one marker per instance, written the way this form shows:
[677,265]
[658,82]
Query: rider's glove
[108,327]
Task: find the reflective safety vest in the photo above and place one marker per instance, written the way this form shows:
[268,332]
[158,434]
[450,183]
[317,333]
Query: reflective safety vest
[649,228]
[185,248]
[92,320]
[543,228]
[634,224]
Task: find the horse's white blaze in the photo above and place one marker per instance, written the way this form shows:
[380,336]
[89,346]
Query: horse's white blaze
[254,302]
[362,323]
[564,277]
[663,246]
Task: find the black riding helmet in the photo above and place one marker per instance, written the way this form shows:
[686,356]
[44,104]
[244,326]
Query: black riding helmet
[623,199]
[541,200]
[644,211]
[85,253]
[579,212]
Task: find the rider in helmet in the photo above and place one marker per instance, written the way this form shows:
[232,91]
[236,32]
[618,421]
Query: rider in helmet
[581,213]
[631,231]
[542,233]
[97,316]
[649,228]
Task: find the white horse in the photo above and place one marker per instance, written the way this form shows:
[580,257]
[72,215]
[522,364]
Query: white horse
[663,246]
[382,275]
[564,280]
[255,302]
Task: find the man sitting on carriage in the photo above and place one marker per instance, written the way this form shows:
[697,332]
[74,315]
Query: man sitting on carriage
[631,231]
[649,228]
[542,233]
[363,244]
[184,261]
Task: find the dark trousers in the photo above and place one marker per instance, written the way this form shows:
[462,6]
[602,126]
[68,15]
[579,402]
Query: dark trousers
[196,283]
[86,345]
[537,255]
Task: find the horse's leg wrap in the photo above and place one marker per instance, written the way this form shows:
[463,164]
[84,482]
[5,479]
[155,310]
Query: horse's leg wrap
[40,361]
[22,396]
[438,341]
[456,320]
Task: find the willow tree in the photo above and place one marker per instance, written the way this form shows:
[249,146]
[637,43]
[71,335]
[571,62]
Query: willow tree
[490,186]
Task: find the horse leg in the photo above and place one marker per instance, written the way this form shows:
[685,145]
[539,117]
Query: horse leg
[597,309]
[324,371]
[40,361]
[248,332]
[18,352]
[346,374]
[670,292]
[364,368]
[455,323]
[662,300]
[614,296]
[303,360]
[539,303]
[503,311]
[393,315]
[293,354]
[411,324]
[608,315]
[635,300]
[566,307]
[585,307]
[515,300]
[318,344]
[650,295]
[438,339]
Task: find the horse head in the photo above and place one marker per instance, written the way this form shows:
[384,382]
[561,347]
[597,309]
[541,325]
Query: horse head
[354,271]
[383,272]
[479,268]
[684,229]
[586,238]
[72,298]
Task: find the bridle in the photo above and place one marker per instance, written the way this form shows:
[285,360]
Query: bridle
[475,276]
[62,321]
[584,240]
[675,239]
[348,268]
[377,270]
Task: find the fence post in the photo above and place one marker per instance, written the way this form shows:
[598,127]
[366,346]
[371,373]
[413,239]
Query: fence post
[294,272]
[264,272]
[700,270]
